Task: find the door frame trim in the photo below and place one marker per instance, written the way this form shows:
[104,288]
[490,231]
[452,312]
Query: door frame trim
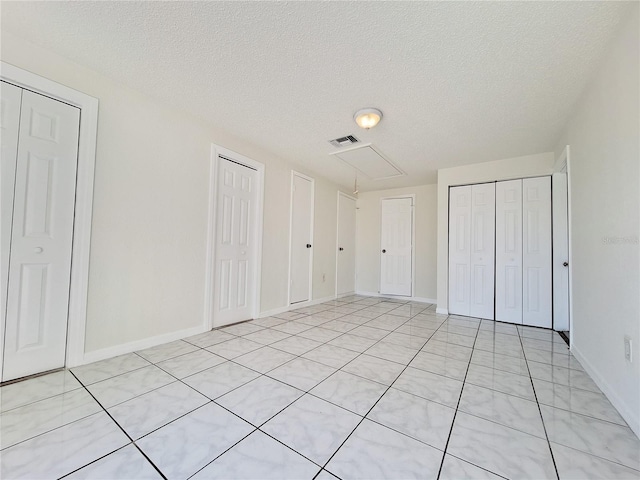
[338,240]
[209,282]
[412,196]
[295,173]
[83,206]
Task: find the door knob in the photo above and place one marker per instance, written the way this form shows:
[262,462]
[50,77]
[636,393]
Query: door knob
[244,252]
[384,251]
[38,250]
[341,249]
[308,245]
[565,264]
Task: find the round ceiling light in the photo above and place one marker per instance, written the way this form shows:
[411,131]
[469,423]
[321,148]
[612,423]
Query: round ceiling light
[367,117]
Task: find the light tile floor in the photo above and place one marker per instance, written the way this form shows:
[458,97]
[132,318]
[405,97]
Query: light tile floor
[354,388]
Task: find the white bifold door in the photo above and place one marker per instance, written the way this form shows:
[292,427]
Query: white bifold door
[346,244]
[39,161]
[396,259]
[471,250]
[301,238]
[523,252]
[509,251]
[235,264]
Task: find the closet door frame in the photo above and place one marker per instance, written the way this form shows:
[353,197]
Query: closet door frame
[76,325]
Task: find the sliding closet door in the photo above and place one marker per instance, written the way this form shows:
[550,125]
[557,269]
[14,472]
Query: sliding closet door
[509,251]
[459,249]
[536,252]
[482,250]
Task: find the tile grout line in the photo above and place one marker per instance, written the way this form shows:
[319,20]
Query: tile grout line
[544,426]
[258,428]
[455,413]
[123,431]
[197,347]
[376,402]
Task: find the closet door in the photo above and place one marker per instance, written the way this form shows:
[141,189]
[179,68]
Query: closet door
[11,98]
[459,249]
[536,252]
[41,237]
[482,245]
[509,251]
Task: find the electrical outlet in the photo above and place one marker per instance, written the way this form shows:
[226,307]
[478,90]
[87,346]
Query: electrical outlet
[628,351]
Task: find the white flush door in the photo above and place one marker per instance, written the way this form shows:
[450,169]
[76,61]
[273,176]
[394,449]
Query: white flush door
[41,238]
[509,251]
[11,98]
[396,247]
[536,252]
[301,238]
[482,247]
[560,253]
[235,243]
[459,249]
[346,264]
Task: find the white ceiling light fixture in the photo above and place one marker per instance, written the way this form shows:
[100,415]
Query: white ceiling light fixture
[367,117]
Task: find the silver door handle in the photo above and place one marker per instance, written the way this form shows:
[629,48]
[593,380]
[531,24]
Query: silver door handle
[38,250]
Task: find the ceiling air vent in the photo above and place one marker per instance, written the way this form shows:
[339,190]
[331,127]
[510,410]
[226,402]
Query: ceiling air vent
[344,141]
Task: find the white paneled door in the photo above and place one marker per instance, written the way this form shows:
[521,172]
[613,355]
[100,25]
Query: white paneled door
[471,250]
[482,259]
[509,251]
[39,262]
[346,255]
[396,257]
[459,249]
[536,252]
[301,238]
[235,243]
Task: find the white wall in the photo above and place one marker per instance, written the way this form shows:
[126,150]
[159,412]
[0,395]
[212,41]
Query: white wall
[324,240]
[368,218]
[507,169]
[149,231]
[603,134]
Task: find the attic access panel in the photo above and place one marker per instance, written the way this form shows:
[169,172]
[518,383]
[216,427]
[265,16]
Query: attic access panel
[369,161]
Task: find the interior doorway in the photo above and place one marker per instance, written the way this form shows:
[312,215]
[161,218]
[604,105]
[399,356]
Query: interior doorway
[46,213]
[235,246]
[301,239]
[561,247]
[346,246]
[396,246]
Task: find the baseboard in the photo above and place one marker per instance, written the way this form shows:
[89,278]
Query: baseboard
[442,311]
[348,294]
[424,300]
[631,417]
[368,294]
[309,303]
[412,299]
[114,351]
[273,311]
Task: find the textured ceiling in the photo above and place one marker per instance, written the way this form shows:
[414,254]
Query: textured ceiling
[458,82]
